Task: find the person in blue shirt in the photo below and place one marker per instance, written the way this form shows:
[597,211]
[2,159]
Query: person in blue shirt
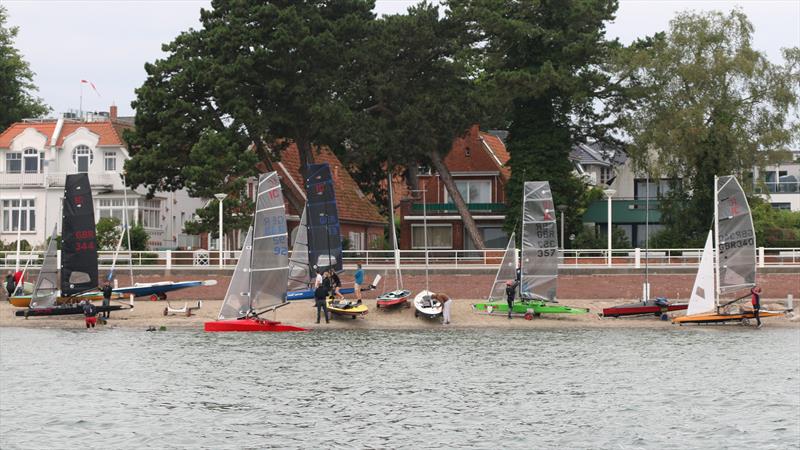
[359,281]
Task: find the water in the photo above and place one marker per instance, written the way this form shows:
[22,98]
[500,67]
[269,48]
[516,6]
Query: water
[605,388]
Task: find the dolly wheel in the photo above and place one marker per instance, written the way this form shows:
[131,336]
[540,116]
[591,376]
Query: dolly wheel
[153,297]
[416,314]
[353,317]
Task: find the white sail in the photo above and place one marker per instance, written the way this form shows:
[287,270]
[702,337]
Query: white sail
[237,298]
[269,267]
[299,269]
[703,299]
[506,272]
[736,238]
[397,274]
[45,290]
[539,242]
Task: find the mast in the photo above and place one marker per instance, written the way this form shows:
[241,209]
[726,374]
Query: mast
[398,277]
[647,239]
[716,241]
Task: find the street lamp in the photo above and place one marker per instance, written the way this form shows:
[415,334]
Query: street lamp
[562,208]
[221,198]
[609,193]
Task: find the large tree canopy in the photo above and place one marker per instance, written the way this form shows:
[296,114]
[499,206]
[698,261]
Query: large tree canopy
[710,105]
[547,57]
[16,80]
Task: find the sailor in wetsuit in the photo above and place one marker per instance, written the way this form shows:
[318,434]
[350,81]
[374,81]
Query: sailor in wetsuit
[511,292]
[756,302]
[320,297]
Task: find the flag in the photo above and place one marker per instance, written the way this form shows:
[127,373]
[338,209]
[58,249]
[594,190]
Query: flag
[93,87]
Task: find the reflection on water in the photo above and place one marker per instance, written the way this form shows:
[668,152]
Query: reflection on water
[684,387]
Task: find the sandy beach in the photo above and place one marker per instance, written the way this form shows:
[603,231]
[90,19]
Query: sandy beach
[151,314]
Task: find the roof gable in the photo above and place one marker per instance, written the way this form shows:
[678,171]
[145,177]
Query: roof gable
[109,133]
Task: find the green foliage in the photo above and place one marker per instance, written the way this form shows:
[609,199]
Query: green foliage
[588,237]
[708,104]
[775,227]
[58,242]
[24,246]
[237,215]
[107,231]
[139,238]
[546,57]
[16,80]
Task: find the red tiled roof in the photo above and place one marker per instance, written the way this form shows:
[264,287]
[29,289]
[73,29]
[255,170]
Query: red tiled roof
[352,204]
[110,133]
[498,148]
[478,152]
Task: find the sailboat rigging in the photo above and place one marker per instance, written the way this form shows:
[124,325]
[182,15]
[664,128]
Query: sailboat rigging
[399,296]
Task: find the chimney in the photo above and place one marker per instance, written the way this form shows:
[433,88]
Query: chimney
[113,112]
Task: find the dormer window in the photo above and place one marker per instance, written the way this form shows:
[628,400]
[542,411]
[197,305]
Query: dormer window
[82,157]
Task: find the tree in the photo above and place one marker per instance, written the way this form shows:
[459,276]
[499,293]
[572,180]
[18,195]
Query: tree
[547,58]
[256,77]
[418,96]
[16,80]
[107,231]
[710,105]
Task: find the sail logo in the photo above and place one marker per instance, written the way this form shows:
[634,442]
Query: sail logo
[77,200]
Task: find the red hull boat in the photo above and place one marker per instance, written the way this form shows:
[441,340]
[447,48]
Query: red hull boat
[259,325]
[637,309]
[394,298]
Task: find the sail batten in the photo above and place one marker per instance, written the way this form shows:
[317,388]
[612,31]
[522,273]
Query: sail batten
[299,268]
[539,272]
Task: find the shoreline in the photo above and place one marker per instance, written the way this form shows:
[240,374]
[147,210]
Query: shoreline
[302,313]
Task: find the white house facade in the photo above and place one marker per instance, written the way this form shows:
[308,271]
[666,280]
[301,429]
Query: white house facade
[782,183]
[36,156]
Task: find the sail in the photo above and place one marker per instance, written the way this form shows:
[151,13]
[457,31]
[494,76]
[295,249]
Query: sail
[324,239]
[397,274]
[79,243]
[539,242]
[45,290]
[237,299]
[703,295]
[299,269]
[736,239]
[270,259]
[506,272]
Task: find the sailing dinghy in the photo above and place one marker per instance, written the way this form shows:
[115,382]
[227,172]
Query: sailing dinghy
[399,296]
[259,281]
[79,275]
[733,269]
[539,267]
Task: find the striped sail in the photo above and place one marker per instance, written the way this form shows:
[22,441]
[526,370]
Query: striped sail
[45,290]
[237,298]
[269,266]
[539,243]
[506,272]
[736,238]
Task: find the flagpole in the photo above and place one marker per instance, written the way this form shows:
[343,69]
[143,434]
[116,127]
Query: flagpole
[80,111]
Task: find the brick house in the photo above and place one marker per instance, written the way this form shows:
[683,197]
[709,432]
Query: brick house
[478,165]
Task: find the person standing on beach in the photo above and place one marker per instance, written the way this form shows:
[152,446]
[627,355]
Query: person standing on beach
[10,285]
[447,304]
[336,283]
[106,288]
[359,281]
[318,278]
[511,292]
[320,298]
[89,314]
[756,302]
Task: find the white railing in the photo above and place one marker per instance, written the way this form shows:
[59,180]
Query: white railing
[55,179]
[415,259]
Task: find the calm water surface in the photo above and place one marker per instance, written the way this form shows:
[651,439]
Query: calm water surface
[685,387]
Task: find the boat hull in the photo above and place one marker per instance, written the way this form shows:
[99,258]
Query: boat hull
[638,309]
[352,311]
[249,325]
[24,301]
[161,288]
[426,310]
[64,311]
[723,318]
[526,307]
[393,299]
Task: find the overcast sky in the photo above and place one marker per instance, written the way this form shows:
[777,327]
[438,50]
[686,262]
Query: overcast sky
[109,42]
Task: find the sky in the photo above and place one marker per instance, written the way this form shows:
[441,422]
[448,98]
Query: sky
[108,42]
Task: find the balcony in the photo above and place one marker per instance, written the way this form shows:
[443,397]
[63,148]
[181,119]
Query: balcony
[450,208]
[623,210]
[781,187]
[97,180]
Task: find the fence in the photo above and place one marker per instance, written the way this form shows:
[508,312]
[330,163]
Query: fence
[415,259]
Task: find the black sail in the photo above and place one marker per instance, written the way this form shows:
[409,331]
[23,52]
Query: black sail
[79,243]
[324,236]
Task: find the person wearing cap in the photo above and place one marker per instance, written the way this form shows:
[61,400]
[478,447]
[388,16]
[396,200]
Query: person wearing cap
[511,292]
[756,302]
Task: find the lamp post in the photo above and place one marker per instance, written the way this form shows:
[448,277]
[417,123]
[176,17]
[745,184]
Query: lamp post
[609,193]
[562,208]
[221,198]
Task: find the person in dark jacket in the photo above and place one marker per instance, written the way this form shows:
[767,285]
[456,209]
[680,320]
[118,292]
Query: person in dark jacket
[106,288]
[336,282]
[756,302]
[320,297]
[89,314]
[511,292]
[10,285]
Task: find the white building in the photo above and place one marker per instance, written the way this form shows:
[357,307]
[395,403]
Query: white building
[782,183]
[36,156]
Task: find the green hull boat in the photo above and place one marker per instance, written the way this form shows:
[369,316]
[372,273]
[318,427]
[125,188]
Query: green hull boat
[534,307]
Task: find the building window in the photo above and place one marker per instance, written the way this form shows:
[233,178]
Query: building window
[11,215]
[14,162]
[493,237]
[786,206]
[112,207]
[655,189]
[82,157]
[150,213]
[356,240]
[110,161]
[606,173]
[31,160]
[439,236]
[473,191]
